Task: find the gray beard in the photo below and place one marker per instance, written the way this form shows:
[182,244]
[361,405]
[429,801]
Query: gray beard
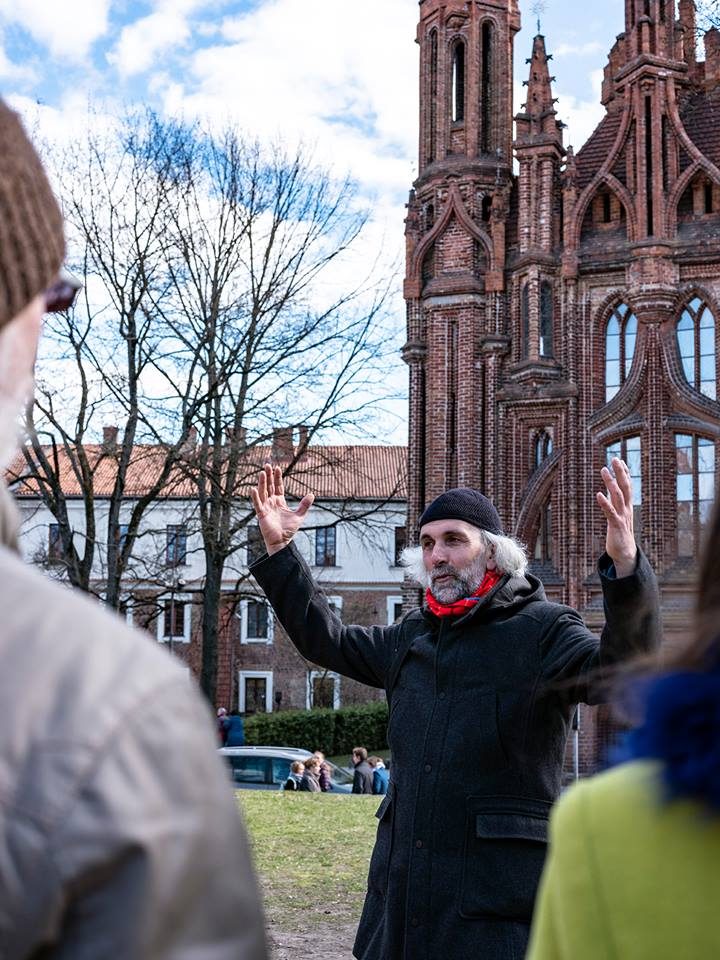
[464,583]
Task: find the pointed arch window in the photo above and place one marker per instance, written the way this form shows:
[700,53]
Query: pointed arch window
[487,91]
[433,94]
[629,449]
[543,447]
[544,540]
[546,320]
[458,82]
[525,319]
[695,490]
[696,343]
[620,337]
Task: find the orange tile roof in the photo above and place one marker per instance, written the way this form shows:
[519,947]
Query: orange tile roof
[331,472]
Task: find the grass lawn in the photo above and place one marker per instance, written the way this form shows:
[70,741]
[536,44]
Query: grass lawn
[311,852]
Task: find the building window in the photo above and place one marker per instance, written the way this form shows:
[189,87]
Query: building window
[546,320]
[400,543]
[696,343]
[458,82]
[433,94]
[175,545]
[543,447]
[54,546]
[125,610]
[525,319]
[255,691]
[394,609]
[173,622]
[256,622]
[695,487]
[325,547]
[544,539]
[486,94]
[629,449]
[323,689]
[620,337]
[708,198]
[122,535]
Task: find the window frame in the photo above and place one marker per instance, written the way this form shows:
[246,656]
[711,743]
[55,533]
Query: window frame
[244,616]
[390,603]
[255,675]
[173,557]
[458,81]
[324,530]
[313,675]
[623,319]
[54,544]
[177,597]
[695,315]
[697,527]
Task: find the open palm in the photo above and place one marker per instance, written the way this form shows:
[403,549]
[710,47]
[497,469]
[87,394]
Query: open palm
[277,521]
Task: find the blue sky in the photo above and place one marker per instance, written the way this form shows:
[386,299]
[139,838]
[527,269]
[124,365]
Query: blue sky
[340,75]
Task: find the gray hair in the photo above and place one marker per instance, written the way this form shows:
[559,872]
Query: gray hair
[510,557]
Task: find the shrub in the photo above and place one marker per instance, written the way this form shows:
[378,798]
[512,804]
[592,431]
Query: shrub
[332,731]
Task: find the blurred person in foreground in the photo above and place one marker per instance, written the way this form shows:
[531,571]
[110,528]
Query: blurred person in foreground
[633,870]
[114,843]
[482,684]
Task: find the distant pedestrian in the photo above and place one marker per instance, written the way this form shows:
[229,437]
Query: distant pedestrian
[381,775]
[325,778]
[223,725]
[363,776]
[310,782]
[294,780]
[235,731]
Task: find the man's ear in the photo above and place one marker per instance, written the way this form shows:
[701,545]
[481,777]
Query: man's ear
[491,563]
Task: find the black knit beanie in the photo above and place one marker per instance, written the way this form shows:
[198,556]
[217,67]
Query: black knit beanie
[462,503]
[32,245]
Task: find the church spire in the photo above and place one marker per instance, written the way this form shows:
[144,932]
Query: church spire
[538,118]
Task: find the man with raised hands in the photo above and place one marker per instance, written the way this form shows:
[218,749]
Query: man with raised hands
[482,683]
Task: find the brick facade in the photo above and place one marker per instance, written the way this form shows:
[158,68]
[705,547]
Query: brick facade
[518,279]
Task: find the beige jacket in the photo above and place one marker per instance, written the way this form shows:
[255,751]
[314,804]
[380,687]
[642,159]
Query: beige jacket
[119,834]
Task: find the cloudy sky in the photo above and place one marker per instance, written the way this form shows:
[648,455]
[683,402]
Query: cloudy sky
[341,75]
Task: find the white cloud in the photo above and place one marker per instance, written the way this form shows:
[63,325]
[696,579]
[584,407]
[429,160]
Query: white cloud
[581,116]
[296,70]
[15,72]
[142,41]
[68,28]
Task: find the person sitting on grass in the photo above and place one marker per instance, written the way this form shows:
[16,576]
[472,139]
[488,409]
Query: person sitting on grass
[325,779]
[294,780]
[381,776]
[310,782]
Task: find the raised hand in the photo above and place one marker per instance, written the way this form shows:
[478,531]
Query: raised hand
[617,506]
[278,523]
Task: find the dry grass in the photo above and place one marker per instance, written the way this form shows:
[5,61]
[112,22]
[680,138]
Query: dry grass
[311,852]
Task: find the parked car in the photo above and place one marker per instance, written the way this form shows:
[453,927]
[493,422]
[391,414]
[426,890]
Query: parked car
[267,768]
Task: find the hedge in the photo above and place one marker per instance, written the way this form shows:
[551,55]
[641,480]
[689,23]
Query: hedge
[332,731]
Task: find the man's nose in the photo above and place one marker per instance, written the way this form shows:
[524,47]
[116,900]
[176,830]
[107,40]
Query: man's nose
[439,554]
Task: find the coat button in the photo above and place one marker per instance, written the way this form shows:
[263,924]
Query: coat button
[441,696]
[415,922]
[418,844]
[428,767]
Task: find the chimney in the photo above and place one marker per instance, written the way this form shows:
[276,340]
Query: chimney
[712,58]
[236,435]
[110,439]
[282,443]
[303,438]
[189,443]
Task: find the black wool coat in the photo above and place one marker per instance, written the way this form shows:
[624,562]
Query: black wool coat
[480,710]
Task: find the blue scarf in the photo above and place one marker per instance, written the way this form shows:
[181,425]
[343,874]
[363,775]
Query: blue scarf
[682,730]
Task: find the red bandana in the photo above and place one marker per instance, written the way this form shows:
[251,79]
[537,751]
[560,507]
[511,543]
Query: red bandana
[459,607]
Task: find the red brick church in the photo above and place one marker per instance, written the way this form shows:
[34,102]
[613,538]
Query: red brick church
[563,308]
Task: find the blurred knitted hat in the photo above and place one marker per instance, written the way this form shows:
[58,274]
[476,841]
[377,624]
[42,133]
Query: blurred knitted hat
[32,244]
[466,504]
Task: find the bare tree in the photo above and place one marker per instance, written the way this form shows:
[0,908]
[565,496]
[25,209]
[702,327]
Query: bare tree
[113,191]
[271,336]
[223,300]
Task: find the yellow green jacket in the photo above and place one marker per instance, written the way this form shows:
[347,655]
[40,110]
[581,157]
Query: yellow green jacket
[628,877]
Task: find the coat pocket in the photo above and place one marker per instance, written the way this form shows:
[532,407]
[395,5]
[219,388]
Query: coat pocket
[380,860]
[506,840]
